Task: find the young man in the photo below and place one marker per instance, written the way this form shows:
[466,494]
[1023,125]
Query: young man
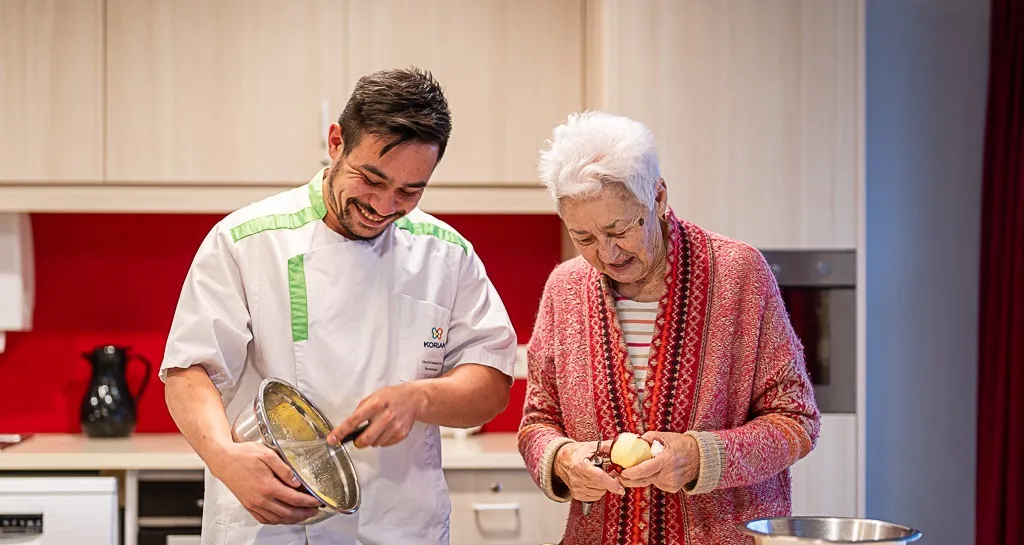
[373,309]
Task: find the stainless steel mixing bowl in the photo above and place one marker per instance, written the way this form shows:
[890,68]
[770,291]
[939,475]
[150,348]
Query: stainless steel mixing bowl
[281,417]
[824,530]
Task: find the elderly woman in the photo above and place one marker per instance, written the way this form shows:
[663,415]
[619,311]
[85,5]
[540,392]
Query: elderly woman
[665,330]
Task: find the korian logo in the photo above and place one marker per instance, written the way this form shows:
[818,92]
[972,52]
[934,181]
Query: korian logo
[437,334]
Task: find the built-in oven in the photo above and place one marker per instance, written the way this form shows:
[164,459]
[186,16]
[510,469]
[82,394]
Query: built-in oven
[819,291]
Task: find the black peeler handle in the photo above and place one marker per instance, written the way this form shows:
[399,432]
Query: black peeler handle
[353,435]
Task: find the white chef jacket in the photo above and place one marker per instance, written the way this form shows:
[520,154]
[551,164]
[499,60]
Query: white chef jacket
[274,292]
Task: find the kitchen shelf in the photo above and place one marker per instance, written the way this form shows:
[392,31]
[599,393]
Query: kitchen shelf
[208,198]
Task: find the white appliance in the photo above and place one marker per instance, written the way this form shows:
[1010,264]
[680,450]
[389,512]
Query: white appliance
[58,510]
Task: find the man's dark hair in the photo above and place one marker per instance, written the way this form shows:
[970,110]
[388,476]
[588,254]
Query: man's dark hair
[399,104]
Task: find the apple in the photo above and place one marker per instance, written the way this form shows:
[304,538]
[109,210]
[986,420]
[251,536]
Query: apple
[629,449]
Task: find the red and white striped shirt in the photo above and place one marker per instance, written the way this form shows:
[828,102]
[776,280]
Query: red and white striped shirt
[637,321]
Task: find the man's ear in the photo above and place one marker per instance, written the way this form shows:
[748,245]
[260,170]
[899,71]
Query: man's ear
[335,144]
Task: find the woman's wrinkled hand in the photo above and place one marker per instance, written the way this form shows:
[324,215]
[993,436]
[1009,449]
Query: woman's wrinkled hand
[586,481]
[677,465]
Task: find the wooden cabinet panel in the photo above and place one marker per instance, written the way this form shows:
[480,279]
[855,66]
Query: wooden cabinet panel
[755,106]
[502,507]
[825,481]
[51,94]
[511,71]
[226,91]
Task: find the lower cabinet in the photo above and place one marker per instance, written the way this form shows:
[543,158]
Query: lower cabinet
[825,481]
[170,507]
[489,506]
[502,507]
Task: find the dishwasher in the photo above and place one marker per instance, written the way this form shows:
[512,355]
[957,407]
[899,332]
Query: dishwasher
[58,510]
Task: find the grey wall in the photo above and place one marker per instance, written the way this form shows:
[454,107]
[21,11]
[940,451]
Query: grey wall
[926,71]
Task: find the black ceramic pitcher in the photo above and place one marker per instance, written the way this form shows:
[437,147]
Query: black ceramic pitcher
[108,407]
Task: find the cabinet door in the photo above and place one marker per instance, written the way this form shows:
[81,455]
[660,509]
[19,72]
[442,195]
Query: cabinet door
[51,95]
[226,91]
[502,507]
[755,106]
[825,481]
[511,72]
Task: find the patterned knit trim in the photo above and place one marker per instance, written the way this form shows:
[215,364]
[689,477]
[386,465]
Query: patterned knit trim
[665,397]
[649,515]
[712,462]
[547,470]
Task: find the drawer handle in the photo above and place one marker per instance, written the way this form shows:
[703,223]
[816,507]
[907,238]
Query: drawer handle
[199,503]
[478,507]
[169,522]
[496,487]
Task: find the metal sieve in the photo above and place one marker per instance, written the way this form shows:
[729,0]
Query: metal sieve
[285,421]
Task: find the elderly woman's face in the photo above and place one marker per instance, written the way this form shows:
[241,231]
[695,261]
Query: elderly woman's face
[615,233]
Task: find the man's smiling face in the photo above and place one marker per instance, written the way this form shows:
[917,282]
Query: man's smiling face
[366,192]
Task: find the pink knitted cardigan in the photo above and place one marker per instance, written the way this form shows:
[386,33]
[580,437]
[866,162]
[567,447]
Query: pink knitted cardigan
[725,368]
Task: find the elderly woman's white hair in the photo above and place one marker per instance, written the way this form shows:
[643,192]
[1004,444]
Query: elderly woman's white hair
[594,148]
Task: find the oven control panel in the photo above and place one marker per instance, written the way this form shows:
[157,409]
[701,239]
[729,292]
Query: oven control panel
[13,525]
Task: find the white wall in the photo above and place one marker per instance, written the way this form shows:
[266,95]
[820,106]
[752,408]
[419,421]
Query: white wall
[926,71]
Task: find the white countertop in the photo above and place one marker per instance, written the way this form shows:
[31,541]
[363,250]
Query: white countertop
[170,451]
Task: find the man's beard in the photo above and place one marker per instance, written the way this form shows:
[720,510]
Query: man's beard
[344,215]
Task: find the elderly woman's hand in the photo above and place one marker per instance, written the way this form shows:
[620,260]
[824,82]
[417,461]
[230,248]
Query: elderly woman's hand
[586,481]
[677,465]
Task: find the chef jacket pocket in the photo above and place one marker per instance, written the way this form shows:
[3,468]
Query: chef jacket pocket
[423,337]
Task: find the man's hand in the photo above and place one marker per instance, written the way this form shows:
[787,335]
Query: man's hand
[391,411]
[672,469]
[264,484]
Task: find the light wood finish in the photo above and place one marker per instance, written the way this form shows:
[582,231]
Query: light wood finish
[51,95]
[825,481]
[754,106]
[184,198]
[170,452]
[511,71]
[862,274]
[225,91]
[502,507]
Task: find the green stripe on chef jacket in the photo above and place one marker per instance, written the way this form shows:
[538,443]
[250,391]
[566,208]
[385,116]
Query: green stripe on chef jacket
[315,211]
[297,273]
[297,298]
[424,228]
[296,265]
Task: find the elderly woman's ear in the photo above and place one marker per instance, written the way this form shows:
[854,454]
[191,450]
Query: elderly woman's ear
[661,200]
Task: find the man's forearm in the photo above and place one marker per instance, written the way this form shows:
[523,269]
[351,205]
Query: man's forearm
[470,395]
[196,407]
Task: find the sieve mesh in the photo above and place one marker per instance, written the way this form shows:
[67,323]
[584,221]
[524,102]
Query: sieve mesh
[317,464]
[300,432]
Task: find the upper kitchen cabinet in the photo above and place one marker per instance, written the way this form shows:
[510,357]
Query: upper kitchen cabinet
[756,107]
[51,94]
[221,92]
[511,72]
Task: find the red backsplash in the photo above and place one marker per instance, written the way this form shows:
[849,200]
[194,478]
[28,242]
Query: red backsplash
[114,279]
